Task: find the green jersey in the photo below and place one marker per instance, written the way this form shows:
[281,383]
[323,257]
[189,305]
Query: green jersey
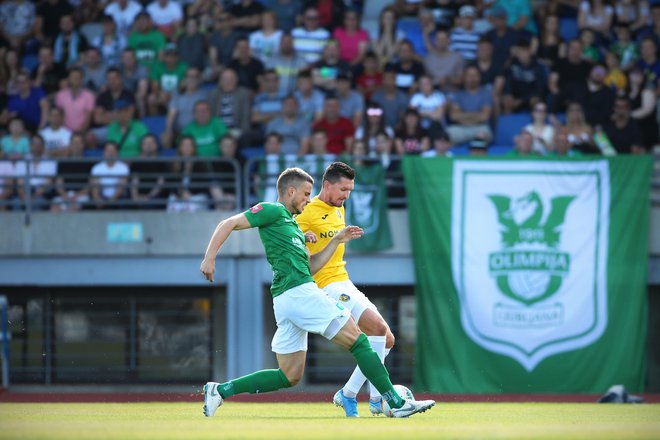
[169,80]
[284,243]
[207,137]
[129,142]
[147,46]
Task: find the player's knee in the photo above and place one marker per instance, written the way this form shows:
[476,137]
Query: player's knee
[380,328]
[294,377]
[389,340]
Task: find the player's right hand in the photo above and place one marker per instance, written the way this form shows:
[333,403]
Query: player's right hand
[208,268]
[310,237]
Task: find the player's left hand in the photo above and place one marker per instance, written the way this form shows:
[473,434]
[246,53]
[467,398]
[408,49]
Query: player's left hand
[310,237]
[349,233]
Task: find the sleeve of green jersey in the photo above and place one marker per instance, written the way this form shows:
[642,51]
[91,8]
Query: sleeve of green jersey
[263,214]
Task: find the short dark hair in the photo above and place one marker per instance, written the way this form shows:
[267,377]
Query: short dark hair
[337,170]
[292,177]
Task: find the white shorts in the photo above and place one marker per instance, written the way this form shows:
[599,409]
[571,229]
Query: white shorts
[346,294]
[305,309]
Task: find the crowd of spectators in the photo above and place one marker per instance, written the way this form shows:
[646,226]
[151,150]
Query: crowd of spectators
[302,81]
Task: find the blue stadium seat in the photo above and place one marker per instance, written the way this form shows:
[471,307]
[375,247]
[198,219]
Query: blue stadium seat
[568,29]
[561,117]
[499,150]
[155,124]
[167,152]
[29,62]
[508,126]
[460,150]
[250,152]
[93,152]
[413,31]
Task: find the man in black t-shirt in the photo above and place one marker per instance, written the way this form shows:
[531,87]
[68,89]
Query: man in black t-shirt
[568,80]
[406,67]
[148,176]
[247,16]
[248,68]
[72,183]
[105,105]
[623,131]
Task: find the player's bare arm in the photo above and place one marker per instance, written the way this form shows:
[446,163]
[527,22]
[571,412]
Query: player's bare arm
[222,231]
[319,259]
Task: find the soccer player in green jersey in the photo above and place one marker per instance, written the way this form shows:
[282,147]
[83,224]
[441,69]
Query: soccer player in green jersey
[300,306]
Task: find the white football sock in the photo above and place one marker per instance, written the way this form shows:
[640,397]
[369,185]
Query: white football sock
[373,392]
[357,379]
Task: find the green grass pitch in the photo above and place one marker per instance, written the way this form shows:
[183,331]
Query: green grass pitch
[293,421]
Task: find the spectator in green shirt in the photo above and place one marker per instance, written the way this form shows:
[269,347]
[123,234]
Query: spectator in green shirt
[125,131]
[166,77]
[146,41]
[207,131]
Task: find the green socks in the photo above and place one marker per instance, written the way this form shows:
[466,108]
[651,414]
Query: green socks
[262,381]
[375,371]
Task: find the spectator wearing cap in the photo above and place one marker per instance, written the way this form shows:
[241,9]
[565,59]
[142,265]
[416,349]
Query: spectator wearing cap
[181,106]
[222,43]
[599,99]
[525,81]
[167,16]
[147,42]
[470,110]
[206,130]
[293,128]
[338,129]
[247,16]
[464,37]
[353,40]
[166,77]
[94,69]
[248,68]
[69,43]
[444,65]
[326,70]
[110,43]
[191,45]
[392,100]
[310,100]
[518,13]
[125,131]
[502,36]
[406,67]
[351,102]
[30,104]
[76,101]
[287,63]
[310,39]
[123,12]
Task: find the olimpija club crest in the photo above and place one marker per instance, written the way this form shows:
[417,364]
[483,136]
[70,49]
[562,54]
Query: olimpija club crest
[529,255]
[530,267]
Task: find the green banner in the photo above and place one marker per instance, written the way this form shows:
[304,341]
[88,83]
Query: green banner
[367,208]
[531,274]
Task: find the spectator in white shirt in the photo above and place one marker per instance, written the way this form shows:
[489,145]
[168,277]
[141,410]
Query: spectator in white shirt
[109,178]
[56,136]
[265,43]
[123,12]
[429,103]
[166,16]
[41,176]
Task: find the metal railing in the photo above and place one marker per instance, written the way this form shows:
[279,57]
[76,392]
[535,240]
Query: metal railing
[217,183]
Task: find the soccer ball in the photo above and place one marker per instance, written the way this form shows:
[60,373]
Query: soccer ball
[404,392]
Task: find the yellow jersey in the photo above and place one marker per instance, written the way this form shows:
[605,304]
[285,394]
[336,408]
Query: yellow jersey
[325,221]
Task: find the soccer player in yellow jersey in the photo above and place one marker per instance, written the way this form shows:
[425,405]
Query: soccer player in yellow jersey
[324,217]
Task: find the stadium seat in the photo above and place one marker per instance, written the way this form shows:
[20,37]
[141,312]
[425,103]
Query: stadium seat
[167,152]
[508,126]
[250,152]
[155,124]
[29,62]
[413,31]
[460,150]
[91,31]
[568,29]
[499,150]
[93,152]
